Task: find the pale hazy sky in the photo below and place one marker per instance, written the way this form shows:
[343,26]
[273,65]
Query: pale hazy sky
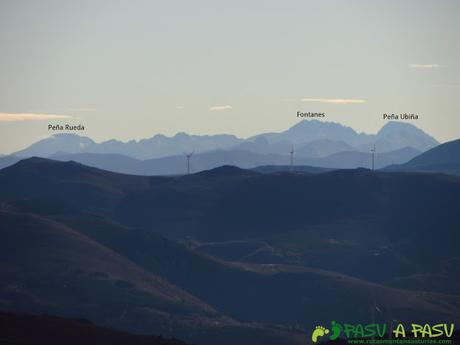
[129,69]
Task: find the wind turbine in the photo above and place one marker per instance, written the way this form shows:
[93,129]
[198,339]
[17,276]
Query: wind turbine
[188,156]
[373,157]
[292,158]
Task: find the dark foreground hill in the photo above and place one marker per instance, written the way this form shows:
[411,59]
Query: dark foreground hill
[258,258]
[87,266]
[25,329]
[444,158]
[110,274]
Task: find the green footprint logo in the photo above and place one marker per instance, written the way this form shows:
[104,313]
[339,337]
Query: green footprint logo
[336,330]
[319,331]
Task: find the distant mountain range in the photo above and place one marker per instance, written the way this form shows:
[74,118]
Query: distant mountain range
[315,143]
[157,146]
[311,139]
[318,139]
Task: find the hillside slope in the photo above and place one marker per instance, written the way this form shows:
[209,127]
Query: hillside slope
[359,238]
[444,158]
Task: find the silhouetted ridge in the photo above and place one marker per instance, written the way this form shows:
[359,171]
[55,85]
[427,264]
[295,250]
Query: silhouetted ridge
[46,165]
[268,169]
[38,163]
[226,170]
[444,158]
[34,160]
[351,171]
[40,160]
[446,153]
[50,167]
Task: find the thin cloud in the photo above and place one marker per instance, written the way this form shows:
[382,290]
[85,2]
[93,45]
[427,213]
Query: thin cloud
[416,65]
[220,108]
[333,100]
[14,117]
[180,107]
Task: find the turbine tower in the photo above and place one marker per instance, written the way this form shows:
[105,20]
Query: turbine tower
[188,156]
[292,158]
[373,157]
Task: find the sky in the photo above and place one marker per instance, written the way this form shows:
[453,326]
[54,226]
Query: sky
[130,69]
